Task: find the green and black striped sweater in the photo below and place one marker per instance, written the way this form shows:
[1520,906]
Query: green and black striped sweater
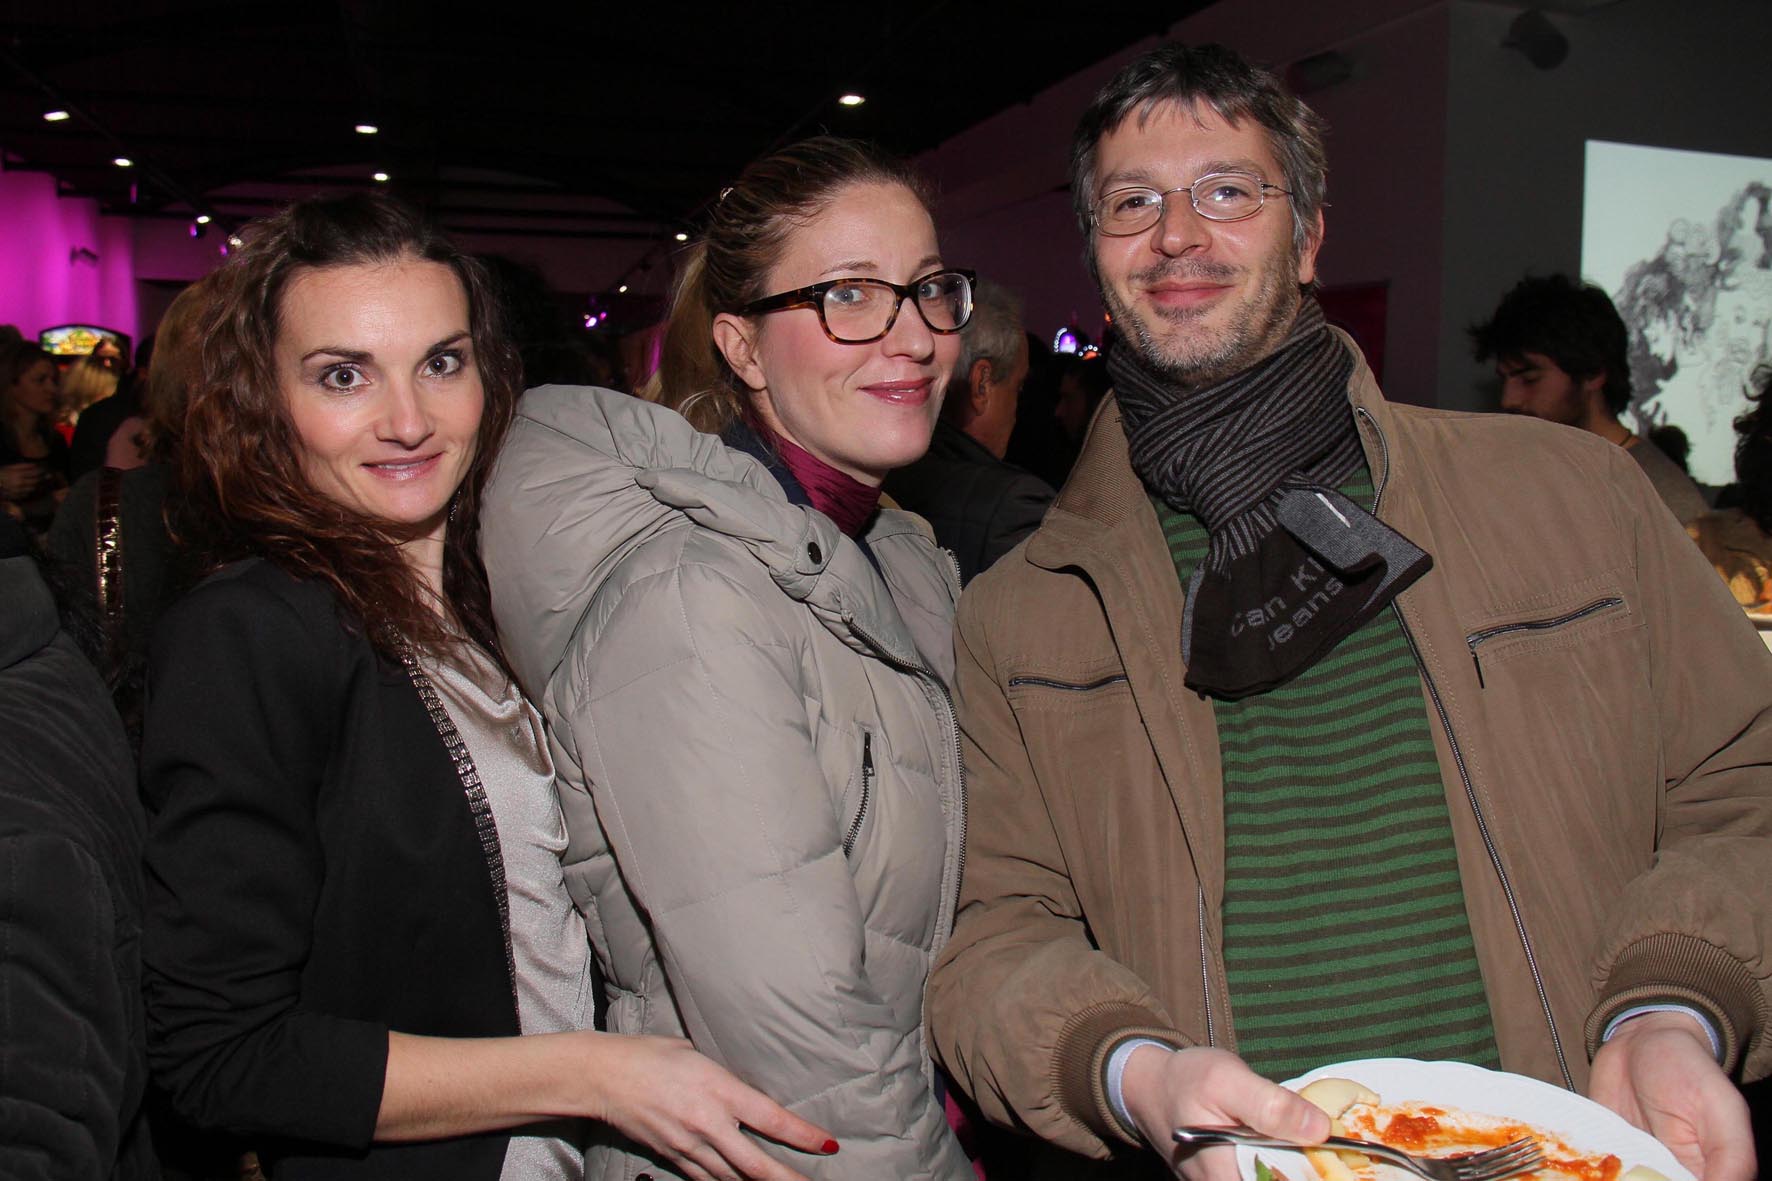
[1345,934]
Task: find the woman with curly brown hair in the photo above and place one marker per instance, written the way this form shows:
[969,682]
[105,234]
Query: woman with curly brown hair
[355,901]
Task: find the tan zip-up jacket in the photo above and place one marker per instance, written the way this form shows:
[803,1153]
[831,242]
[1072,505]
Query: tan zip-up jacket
[1608,768]
[757,759]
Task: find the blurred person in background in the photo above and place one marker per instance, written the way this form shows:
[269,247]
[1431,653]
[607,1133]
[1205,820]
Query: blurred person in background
[111,535]
[88,381]
[978,504]
[1737,538]
[33,454]
[1562,353]
[1082,384]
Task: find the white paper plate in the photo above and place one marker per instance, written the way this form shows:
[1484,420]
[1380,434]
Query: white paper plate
[1580,1122]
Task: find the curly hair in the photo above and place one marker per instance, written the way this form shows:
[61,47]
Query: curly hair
[239,459]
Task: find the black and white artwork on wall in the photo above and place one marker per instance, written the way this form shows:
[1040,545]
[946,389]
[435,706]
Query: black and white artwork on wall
[1682,241]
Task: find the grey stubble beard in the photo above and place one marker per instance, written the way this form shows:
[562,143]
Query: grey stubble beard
[1251,335]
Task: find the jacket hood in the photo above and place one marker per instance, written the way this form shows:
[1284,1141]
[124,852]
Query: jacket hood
[587,475]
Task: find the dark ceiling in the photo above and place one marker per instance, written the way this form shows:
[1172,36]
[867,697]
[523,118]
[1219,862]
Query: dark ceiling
[508,116]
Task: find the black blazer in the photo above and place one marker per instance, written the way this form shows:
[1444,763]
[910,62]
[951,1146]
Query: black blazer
[314,880]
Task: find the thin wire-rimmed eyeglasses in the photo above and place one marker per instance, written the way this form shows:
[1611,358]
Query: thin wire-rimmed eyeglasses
[861,311]
[1220,196]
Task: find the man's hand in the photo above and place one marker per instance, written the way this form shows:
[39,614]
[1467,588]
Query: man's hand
[1658,1073]
[1163,1090]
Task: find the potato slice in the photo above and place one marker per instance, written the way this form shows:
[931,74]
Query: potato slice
[1335,1096]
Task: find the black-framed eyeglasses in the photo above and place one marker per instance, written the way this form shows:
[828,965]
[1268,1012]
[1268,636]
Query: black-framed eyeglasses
[861,311]
[1221,196]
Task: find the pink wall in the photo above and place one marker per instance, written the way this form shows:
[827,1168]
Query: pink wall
[41,285]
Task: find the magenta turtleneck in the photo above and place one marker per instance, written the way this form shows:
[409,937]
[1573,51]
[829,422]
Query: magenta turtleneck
[844,499]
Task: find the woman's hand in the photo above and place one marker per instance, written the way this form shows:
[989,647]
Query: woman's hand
[654,1090]
[19,480]
[662,1093]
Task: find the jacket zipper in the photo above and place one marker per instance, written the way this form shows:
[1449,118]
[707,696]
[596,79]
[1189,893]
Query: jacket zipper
[949,887]
[1048,683]
[1205,968]
[1470,791]
[1534,625]
[867,788]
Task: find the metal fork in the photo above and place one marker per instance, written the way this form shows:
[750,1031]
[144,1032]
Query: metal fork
[1492,1164]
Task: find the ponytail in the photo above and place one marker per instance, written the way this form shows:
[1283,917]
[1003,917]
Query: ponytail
[693,378]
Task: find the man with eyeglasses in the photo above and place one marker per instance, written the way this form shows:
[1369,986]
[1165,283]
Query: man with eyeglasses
[1309,728]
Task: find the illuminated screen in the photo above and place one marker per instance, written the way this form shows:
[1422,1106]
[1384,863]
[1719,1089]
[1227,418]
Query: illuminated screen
[1682,241]
[77,340]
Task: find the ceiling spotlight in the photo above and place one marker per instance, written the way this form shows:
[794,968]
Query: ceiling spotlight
[55,116]
[367,129]
[852,100]
[622,290]
[380,178]
[204,219]
[123,162]
[682,237]
[198,229]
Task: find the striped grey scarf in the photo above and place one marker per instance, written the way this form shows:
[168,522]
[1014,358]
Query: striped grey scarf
[1292,565]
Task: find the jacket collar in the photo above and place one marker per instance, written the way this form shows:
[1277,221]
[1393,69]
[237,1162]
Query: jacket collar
[688,477]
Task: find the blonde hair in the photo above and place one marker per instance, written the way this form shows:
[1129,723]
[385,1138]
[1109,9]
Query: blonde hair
[745,237]
[85,383]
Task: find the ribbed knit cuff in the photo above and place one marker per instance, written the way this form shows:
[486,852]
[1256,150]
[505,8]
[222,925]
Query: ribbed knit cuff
[1684,970]
[1080,1062]
[1703,1019]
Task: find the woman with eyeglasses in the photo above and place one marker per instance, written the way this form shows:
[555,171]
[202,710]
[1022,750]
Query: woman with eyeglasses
[359,953]
[743,655]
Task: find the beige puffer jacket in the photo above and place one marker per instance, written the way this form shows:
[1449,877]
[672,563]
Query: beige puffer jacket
[758,762]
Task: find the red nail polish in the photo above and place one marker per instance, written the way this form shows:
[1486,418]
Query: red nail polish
[829,1148]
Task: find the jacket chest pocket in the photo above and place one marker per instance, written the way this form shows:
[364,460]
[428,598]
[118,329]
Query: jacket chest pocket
[1564,627]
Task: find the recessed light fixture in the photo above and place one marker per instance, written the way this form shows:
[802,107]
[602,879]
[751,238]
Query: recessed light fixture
[380,178]
[367,129]
[682,237]
[56,116]
[852,100]
[204,219]
[622,290]
[123,162]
